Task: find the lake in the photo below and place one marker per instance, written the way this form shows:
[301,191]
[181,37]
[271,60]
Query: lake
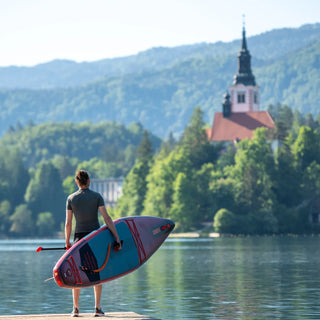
[215,278]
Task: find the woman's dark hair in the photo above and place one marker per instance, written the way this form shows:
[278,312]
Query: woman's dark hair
[82,176]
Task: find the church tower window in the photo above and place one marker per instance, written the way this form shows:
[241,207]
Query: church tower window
[241,97]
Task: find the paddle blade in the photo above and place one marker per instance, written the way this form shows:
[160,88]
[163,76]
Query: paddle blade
[39,249]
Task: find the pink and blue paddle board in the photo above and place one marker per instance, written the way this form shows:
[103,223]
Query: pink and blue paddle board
[95,258]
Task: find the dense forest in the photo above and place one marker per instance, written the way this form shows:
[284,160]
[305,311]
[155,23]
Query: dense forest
[38,165]
[111,142]
[160,87]
[249,188]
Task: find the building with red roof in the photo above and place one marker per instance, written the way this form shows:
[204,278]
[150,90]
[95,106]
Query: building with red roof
[240,114]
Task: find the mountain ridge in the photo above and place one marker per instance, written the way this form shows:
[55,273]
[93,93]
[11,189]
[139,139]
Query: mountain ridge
[162,95]
[48,75]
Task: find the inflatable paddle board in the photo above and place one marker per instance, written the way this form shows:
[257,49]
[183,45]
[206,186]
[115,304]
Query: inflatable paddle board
[95,258]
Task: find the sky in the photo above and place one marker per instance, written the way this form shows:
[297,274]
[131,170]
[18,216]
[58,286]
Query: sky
[39,31]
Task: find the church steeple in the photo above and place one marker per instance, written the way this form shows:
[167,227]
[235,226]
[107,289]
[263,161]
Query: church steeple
[244,74]
[244,92]
[240,114]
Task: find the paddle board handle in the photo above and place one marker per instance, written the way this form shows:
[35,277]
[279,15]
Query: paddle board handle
[116,245]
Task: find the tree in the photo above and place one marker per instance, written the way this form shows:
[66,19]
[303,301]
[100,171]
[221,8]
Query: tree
[65,166]
[202,194]
[184,208]
[195,141]
[287,179]
[311,182]
[283,117]
[223,191]
[5,211]
[253,171]
[45,224]
[69,185]
[100,169]
[306,148]
[169,145]
[15,176]
[145,150]
[226,222]
[160,182]
[22,221]
[135,184]
[45,193]
[134,191]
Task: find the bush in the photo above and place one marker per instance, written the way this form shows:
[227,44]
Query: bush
[225,222]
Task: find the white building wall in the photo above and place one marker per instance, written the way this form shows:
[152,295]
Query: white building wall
[110,189]
[250,101]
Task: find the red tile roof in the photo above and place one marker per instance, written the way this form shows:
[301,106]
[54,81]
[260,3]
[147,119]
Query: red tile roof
[238,126]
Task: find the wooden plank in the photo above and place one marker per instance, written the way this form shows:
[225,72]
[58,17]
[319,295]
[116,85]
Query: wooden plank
[82,316]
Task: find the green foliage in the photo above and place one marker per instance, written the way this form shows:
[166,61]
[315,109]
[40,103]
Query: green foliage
[287,178]
[253,169]
[135,187]
[69,185]
[223,191]
[245,189]
[160,182]
[178,183]
[195,142]
[45,192]
[14,178]
[22,221]
[5,210]
[184,207]
[100,169]
[259,189]
[45,224]
[306,149]
[134,190]
[226,222]
[67,142]
[55,149]
[145,150]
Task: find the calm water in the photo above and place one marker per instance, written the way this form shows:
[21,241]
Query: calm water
[224,278]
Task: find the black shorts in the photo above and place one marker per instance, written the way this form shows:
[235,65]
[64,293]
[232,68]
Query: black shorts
[79,235]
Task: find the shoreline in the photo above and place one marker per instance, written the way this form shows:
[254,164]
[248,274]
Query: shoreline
[178,235]
[194,235]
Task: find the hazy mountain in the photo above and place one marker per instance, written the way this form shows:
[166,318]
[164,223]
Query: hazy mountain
[161,86]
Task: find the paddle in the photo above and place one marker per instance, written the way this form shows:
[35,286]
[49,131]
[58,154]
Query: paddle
[116,247]
[44,249]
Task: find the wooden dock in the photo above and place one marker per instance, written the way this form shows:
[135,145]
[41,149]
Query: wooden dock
[82,316]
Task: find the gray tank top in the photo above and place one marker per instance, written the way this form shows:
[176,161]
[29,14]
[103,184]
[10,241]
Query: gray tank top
[85,203]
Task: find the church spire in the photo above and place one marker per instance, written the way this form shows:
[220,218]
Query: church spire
[244,74]
[244,41]
[244,93]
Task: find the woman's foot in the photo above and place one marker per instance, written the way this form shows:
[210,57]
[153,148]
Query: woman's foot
[75,312]
[99,312]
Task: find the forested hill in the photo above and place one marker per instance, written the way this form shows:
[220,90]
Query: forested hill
[106,141]
[160,87]
[66,73]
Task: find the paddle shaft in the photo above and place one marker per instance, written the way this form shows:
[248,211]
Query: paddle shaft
[116,247]
[46,249]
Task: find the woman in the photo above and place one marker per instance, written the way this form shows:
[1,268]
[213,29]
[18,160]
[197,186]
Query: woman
[85,204]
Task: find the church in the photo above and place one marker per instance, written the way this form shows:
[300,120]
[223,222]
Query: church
[240,114]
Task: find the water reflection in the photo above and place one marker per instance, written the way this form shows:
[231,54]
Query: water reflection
[224,278]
